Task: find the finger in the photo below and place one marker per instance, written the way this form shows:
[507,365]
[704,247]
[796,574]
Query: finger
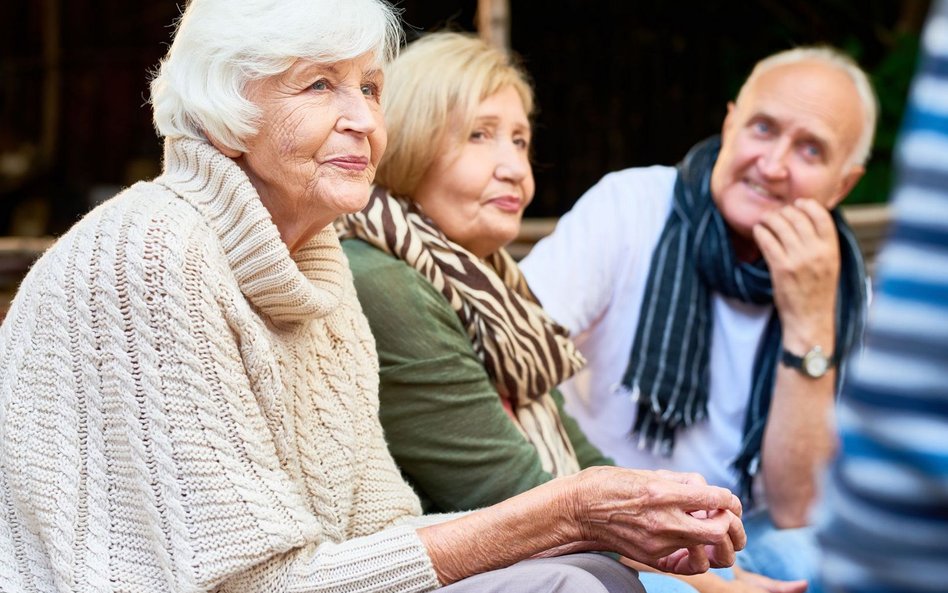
[719,530]
[689,498]
[683,477]
[802,222]
[693,498]
[680,562]
[783,229]
[821,217]
[721,555]
[698,561]
[769,245]
[724,553]
[673,562]
[700,514]
[736,533]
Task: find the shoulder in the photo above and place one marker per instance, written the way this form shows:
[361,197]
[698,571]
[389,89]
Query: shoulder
[619,212]
[394,294]
[374,270]
[410,319]
[657,178]
[141,238]
[145,214]
[623,205]
[631,191]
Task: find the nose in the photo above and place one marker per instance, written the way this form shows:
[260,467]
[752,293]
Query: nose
[513,164]
[355,115]
[773,162]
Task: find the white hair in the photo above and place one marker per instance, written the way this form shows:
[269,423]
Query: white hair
[221,45]
[843,62]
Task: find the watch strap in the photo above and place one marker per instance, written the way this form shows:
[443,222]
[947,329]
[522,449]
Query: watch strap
[792,360]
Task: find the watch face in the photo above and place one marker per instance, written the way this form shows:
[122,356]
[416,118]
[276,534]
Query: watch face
[815,363]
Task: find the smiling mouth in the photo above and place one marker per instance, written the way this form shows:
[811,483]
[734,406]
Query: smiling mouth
[507,203]
[761,190]
[350,163]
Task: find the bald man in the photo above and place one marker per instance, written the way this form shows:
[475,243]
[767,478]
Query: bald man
[715,301]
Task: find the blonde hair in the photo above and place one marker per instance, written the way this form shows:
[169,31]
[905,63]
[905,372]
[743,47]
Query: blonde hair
[432,90]
[220,46]
[842,62]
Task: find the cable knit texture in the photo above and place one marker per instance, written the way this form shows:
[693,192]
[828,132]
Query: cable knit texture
[186,407]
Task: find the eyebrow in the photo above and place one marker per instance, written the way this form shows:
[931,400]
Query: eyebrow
[493,119]
[809,136]
[306,68]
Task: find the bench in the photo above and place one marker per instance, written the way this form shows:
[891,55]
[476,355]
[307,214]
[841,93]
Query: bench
[17,254]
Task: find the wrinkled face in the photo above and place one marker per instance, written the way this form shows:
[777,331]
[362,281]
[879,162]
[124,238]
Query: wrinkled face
[476,192]
[791,135]
[321,137]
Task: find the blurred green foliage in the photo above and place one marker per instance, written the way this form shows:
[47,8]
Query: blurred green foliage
[891,79]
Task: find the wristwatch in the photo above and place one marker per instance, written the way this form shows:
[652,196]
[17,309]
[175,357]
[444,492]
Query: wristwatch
[814,363]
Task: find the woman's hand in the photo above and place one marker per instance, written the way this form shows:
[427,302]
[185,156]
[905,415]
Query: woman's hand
[671,521]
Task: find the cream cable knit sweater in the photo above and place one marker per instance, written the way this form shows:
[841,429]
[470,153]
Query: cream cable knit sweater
[185,407]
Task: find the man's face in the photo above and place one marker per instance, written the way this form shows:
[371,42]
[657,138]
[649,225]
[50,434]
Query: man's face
[790,135]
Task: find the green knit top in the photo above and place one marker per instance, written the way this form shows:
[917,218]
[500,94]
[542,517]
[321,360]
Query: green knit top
[443,420]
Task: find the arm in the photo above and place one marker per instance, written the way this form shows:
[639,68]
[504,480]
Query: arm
[443,420]
[648,516]
[800,245]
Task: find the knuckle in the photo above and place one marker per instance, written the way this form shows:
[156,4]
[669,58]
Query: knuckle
[695,478]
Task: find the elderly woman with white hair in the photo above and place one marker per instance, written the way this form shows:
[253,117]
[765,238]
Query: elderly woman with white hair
[188,386]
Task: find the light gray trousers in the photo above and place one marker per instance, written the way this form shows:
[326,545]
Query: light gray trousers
[575,573]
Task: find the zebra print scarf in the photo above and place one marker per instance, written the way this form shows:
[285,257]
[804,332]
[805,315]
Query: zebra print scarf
[668,372]
[525,353]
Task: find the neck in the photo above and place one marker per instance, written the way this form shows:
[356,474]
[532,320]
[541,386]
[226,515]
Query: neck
[295,231]
[746,250]
[295,225]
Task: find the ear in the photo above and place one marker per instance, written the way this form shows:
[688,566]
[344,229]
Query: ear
[846,185]
[225,150]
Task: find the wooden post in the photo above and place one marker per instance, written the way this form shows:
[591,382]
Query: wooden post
[493,22]
[51,84]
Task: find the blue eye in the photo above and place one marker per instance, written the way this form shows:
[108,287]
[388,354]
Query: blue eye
[320,85]
[812,150]
[762,127]
[370,89]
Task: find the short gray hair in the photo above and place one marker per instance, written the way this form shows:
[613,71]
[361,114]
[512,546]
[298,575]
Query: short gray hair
[221,45]
[843,62]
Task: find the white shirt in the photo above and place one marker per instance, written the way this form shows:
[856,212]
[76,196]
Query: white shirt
[590,275]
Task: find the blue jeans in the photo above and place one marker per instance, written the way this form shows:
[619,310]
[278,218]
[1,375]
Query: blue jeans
[783,554]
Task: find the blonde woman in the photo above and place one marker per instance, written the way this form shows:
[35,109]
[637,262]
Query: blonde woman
[469,360]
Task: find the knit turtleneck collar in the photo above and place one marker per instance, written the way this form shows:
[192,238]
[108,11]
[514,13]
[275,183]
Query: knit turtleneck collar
[286,288]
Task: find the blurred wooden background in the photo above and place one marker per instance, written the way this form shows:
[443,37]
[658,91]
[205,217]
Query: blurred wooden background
[619,84]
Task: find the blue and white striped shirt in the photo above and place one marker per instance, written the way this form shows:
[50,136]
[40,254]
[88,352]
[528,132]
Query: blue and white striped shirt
[884,521]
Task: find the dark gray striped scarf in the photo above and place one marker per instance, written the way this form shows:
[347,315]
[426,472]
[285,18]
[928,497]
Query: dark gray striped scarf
[668,370]
[525,353]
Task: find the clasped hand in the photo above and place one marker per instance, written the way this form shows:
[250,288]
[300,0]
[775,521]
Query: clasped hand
[670,521]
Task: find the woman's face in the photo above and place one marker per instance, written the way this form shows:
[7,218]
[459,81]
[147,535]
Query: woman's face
[476,192]
[321,137]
